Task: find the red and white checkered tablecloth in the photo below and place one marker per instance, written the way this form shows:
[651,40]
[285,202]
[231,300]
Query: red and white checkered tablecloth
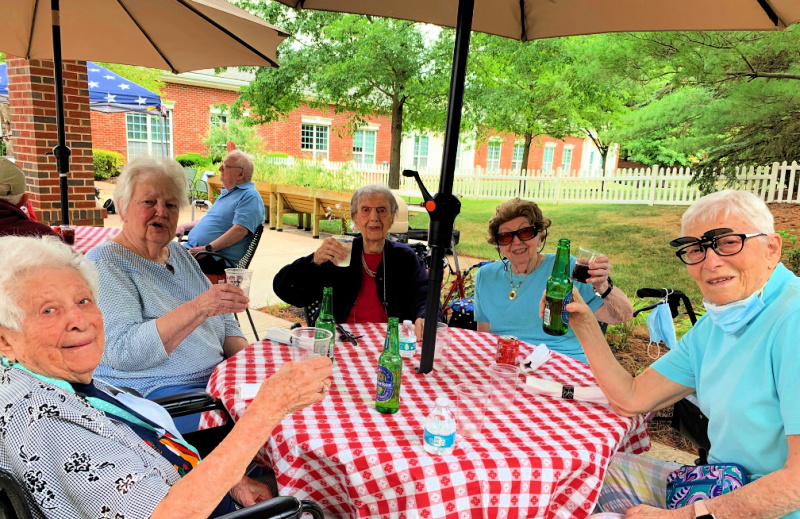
[88,237]
[546,460]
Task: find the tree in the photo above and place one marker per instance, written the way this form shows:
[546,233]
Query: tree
[519,88]
[356,64]
[715,98]
[148,78]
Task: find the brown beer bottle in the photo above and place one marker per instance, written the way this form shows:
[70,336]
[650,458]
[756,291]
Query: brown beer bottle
[559,293]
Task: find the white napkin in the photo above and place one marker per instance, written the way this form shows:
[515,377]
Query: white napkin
[246,391]
[538,356]
[281,335]
[539,386]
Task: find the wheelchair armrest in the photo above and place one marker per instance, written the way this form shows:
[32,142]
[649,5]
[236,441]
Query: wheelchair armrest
[188,403]
[275,508]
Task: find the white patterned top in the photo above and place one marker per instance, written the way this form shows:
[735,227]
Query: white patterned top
[100,469]
[134,292]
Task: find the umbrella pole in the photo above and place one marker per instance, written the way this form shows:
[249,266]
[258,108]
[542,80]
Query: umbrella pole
[444,207]
[61,151]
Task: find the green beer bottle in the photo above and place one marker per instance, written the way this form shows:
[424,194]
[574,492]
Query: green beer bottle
[325,319]
[559,293]
[390,368]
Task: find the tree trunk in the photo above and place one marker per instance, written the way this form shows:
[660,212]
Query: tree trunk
[526,152]
[397,138]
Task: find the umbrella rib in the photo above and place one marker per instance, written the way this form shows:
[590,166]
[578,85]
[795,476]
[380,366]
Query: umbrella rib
[769,12]
[229,33]
[144,33]
[33,24]
[524,33]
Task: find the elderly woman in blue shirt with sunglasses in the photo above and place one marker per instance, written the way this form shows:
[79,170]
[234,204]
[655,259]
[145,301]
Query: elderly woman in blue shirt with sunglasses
[507,293]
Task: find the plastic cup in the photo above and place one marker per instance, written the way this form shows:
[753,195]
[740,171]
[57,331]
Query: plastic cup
[308,343]
[442,347]
[505,379]
[68,234]
[583,259]
[239,277]
[471,409]
[347,243]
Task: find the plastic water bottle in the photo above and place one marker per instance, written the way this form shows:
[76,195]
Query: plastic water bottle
[408,339]
[439,435]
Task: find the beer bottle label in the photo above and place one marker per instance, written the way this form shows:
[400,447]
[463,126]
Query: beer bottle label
[546,317]
[564,313]
[385,384]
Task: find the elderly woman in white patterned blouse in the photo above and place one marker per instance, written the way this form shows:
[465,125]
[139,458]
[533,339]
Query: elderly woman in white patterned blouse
[167,326]
[83,452]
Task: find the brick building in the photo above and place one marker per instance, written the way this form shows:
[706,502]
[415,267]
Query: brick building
[192,100]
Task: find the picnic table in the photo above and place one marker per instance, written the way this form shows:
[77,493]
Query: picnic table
[545,459]
[88,237]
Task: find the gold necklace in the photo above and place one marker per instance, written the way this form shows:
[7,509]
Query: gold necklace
[513,294]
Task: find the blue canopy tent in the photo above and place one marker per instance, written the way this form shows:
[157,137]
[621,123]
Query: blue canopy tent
[108,92]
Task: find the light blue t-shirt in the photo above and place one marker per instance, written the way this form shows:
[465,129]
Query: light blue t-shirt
[747,384]
[520,317]
[241,205]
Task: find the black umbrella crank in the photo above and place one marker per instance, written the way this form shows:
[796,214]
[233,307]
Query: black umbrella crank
[442,209]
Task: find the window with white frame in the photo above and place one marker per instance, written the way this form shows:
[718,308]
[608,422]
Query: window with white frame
[547,157]
[421,151]
[364,146]
[566,159]
[493,155]
[149,135]
[314,140]
[516,158]
[219,120]
[458,155]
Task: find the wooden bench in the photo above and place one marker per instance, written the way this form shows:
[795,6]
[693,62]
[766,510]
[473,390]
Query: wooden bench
[265,189]
[311,205]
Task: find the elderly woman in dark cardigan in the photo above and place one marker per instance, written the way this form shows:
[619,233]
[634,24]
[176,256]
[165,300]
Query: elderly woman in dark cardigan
[384,279]
[81,450]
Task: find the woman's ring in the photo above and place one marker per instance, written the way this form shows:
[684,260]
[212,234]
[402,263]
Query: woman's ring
[324,388]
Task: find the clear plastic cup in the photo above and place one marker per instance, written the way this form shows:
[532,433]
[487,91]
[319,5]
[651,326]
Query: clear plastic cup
[347,243]
[471,408]
[308,343]
[584,258]
[442,347]
[239,277]
[505,379]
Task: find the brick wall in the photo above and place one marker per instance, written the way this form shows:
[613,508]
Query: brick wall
[536,155]
[33,123]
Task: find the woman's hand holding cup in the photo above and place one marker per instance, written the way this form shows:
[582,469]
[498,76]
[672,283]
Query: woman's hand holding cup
[330,250]
[221,299]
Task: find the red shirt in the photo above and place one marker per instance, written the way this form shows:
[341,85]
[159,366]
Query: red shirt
[14,222]
[368,307]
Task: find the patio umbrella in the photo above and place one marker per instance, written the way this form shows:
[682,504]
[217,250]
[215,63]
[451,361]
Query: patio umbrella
[176,35]
[528,20]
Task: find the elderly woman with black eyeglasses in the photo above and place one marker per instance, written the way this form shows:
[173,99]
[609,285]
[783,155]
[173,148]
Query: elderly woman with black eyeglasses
[507,293]
[741,358]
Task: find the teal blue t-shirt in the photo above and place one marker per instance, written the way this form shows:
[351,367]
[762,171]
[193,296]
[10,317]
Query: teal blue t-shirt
[520,317]
[747,384]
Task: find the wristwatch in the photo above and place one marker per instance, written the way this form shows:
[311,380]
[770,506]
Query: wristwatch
[701,511]
[208,248]
[608,290]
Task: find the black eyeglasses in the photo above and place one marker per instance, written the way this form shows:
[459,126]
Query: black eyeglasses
[723,241]
[524,234]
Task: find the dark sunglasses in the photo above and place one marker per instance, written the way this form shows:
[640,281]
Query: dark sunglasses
[524,234]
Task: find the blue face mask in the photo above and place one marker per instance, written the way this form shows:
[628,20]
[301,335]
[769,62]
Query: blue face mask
[735,316]
[661,327]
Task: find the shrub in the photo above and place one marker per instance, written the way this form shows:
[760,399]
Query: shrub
[194,160]
[242,134]
[107,164]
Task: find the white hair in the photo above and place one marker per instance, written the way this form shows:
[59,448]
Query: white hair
[369,192]
[244,161]
[730,203]
[144,168]
[21,255]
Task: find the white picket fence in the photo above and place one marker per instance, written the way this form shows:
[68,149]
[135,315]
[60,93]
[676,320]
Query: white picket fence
[651,186]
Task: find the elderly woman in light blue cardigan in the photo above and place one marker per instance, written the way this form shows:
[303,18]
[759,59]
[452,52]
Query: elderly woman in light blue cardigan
[167,327]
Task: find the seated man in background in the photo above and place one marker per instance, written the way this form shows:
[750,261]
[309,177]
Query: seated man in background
[234,216]
[13,220]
